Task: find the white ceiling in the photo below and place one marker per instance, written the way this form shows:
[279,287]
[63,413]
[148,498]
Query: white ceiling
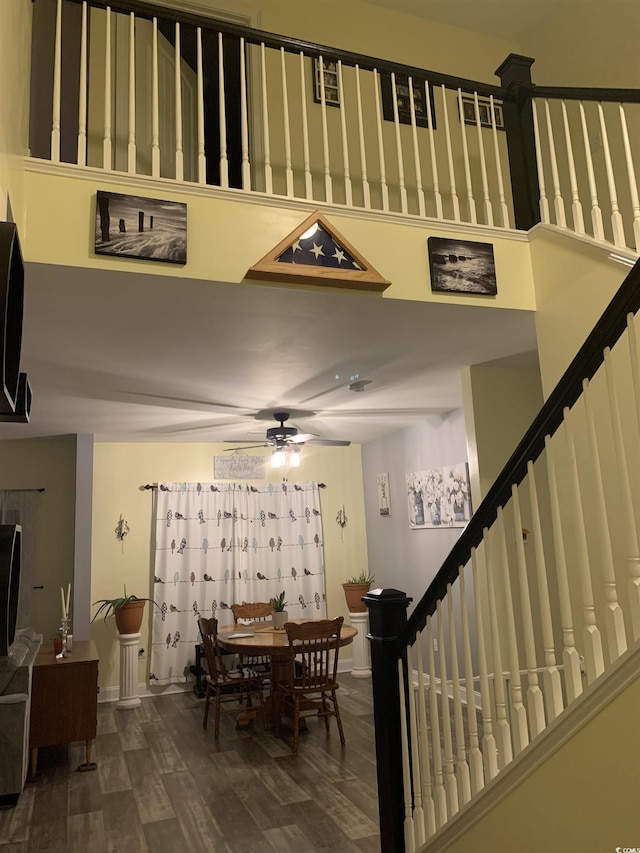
[142,357]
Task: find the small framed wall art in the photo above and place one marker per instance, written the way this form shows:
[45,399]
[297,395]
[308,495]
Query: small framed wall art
[384,499]
[461,266]
[331,87]
[135,227]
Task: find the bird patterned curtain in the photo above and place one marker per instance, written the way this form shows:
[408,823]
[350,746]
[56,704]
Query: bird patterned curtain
[223,543]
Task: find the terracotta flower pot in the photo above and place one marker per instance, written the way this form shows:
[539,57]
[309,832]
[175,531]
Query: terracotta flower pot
[353,592]
[129,617]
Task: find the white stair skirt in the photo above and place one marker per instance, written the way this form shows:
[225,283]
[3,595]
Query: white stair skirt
[361,658]
[128,671]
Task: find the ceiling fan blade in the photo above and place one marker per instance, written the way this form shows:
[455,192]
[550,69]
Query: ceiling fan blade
[247,447]
[327,442]
[302,437]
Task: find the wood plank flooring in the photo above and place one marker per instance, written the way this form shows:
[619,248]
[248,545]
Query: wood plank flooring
[163,785]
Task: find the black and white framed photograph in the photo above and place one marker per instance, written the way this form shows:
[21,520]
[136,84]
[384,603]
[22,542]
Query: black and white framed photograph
[484,112]
[461,266]
[136,227]
[330,76]
[403,98]
[384,499]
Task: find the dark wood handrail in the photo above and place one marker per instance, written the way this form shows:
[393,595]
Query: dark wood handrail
[294,45]
[575,93]
[589,358]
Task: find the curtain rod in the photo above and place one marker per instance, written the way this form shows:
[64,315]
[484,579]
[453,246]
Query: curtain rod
[154,487]
[23,490]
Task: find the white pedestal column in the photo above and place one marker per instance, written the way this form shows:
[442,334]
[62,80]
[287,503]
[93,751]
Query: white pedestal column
[128,671]
[361,659]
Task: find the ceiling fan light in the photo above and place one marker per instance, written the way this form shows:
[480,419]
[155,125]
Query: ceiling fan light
[294,457]
[278,458]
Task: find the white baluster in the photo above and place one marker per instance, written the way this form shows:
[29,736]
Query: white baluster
[202,161]
[106,142]
[503,731]
[489,746]
[519,727]
[439,794]
[409,837]
[570,656]
[268,172]
[222,114]
[432,151]
[419,833]
[452,174]
[82,92]
[616,217]
[613,616]
[396,123]
[634,358]
[631,172]
[384,189]
[550,675]
[348,194]
[450,783]
[576,207]
[596,212]
[425,761]
[462,767]
[178,99]
[558,201]
[594,660]
[545,216]
[535,700]
[287,130]
[504,210]
[308,183]
[471,205]
[628,517]
[488,210]
[131,142]
[57,67]
[366,190]
[416,152]
[155,108]
[475,756]
[244,120]
[328,186]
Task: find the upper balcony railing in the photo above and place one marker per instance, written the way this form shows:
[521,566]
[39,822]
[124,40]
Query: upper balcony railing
[140,90]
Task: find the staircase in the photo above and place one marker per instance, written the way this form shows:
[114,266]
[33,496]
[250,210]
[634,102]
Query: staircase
[532,625]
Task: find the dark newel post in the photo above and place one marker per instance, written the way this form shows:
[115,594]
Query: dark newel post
[515,75]
[387,619]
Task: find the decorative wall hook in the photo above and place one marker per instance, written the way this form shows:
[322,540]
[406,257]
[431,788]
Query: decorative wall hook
[122,528]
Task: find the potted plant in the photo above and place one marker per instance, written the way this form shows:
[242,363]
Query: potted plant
[128,610]
[280,615]
[354,588]
[57,642]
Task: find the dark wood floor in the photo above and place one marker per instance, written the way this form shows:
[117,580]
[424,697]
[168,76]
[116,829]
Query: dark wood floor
[163,784]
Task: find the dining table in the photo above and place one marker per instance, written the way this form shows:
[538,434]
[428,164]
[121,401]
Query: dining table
[261,638]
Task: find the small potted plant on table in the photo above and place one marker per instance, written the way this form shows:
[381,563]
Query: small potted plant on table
[354,588]
[280,615]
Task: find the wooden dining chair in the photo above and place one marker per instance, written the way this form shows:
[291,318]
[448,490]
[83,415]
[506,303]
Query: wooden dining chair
[311,688]
[222,684]
[249,612]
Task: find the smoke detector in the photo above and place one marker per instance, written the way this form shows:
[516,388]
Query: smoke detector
[359,384]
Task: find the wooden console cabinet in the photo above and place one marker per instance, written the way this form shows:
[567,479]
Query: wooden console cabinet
[64,699]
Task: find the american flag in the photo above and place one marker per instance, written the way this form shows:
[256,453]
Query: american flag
[316,247]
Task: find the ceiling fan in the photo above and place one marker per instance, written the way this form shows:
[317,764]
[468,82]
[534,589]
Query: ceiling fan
[282,436]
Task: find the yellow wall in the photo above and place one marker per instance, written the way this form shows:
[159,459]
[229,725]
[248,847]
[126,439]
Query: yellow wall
[121,469]
[15,55]
[50,464]
[583,798]
[216,226]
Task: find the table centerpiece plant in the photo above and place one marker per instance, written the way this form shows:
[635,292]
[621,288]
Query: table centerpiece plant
[280,614]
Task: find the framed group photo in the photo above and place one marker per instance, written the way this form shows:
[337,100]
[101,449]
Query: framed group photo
[484,112]
[403,99]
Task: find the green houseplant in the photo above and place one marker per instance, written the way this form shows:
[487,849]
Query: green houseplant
[280,615]
[354,588]
[127,609]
